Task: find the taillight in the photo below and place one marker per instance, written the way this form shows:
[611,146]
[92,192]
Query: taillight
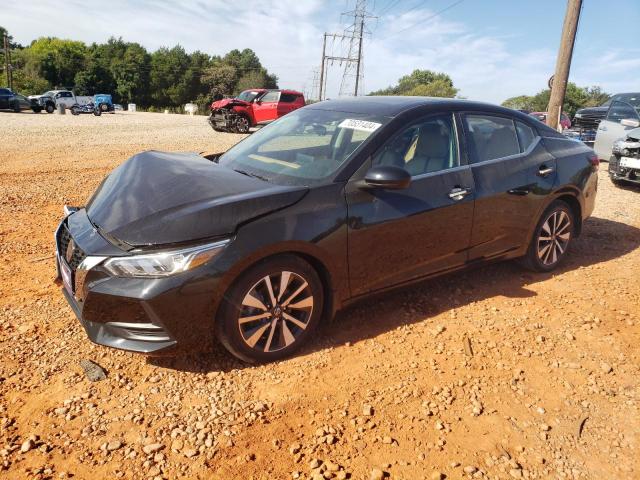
[594,160]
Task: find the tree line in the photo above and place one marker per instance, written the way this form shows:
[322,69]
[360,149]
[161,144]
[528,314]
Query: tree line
[164,78]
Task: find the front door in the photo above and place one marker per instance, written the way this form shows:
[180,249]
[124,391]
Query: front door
[265,109]
[611,129]
[395,236]
[513,175]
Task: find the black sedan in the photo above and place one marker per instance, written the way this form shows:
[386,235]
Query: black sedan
[10,100]
[331,203]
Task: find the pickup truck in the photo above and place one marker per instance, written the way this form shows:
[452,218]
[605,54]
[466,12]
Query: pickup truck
[48,101]
[251,108]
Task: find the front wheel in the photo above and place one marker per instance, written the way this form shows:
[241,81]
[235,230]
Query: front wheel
[16,107]
[75,111]
[243,124]
[97,112]
[36,109]
[271,310]
[551,239]
[50,108]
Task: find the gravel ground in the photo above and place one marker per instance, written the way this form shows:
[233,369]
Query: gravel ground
[495,373]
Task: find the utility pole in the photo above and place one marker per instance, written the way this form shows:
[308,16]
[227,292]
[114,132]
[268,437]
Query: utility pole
[324,49]
[359,57]
[7,64]
[563,63]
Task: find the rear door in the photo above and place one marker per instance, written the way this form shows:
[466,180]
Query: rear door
[395,236]
[513,173]
[288,103]
[610,129]
[265,109]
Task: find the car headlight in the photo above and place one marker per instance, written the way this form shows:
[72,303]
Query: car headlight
[163,263]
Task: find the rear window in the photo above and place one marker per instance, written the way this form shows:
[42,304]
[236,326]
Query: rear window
[288,97]
[492,137]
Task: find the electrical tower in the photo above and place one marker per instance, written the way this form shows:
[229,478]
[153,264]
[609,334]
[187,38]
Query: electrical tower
[352,59]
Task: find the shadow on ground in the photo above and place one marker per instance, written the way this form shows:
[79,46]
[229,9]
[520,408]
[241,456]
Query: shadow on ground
[601,241]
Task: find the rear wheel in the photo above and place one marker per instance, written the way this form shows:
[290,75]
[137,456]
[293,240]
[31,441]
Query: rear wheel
[16,107]
[50,108]
[75,111]
[104,107]
[271,310]
[551,239]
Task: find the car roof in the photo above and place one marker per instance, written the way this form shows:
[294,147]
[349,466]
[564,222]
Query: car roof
[392,106]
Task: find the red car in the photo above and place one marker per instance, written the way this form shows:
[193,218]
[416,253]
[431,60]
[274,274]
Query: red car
[564,118]
[253,107]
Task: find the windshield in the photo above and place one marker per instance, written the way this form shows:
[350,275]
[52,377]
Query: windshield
[303,147]
[50,93]
[632,99]
[248,95]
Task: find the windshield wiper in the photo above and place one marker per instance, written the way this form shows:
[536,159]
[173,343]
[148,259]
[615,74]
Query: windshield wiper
[249,174]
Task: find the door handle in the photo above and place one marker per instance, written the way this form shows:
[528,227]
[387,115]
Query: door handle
[545,171]
[458,193]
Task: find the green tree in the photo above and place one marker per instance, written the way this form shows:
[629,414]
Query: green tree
[131,74]
[422,83]
[57,60]
[167,77]
[575,98]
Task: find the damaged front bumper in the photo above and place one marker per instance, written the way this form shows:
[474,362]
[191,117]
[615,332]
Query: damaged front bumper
[624,164]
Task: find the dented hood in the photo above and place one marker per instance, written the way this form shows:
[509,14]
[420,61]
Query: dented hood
[228,102]
[157,198]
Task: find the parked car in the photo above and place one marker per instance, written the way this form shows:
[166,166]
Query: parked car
[253,107]
[565,122]
[589,118]
[10,100]
[331,203]
[620,119]
[48,101]
[624,164]
[103,102]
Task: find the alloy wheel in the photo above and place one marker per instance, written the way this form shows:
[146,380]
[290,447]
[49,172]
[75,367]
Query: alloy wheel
[242,125]
[275,311]
[554,237]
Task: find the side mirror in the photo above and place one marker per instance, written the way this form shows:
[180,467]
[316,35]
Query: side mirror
[630,122]
[387,176]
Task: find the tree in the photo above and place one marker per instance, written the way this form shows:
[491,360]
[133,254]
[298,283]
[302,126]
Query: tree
[167,77]
[575,98]
[58,60]
[422,83]
[131,74]
[220,79]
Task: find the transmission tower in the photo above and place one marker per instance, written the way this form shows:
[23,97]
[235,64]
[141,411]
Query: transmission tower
[352,59]
[353,71]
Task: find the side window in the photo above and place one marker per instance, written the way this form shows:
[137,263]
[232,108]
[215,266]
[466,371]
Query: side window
[620,110]
[67,94]
[492,137]
[4,91]
[424,147]
[288,97]
[270,97]
[526,136]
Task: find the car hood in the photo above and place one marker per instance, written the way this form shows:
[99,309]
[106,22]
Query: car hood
[157,198]
[228,102]
[634,135]
[592,110]
[35,97]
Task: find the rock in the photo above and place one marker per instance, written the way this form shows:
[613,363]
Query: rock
[367,410]
[437,476]
[376,474]
[93,371]
[27,445]
[152,448]
[190,452]
[387,440]
[177,445]
[470,469]
[114,445]
[515,473]
[606,368]
[315,463]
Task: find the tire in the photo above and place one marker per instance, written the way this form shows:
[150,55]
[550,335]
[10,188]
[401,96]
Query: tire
[616,182]
[37,109]
[243,124]
[97,112]
[103,107]
[50,108]
[558,225]
[16,107]
[74,111]
[273,331]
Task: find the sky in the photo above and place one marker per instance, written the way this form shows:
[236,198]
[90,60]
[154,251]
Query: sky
[492,49]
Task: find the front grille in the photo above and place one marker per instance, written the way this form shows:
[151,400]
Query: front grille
[64,238]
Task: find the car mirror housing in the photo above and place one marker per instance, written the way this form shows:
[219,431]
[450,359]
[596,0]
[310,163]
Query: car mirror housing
[630,122]
[388,177]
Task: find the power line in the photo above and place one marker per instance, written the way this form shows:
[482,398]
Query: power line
[438,13]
